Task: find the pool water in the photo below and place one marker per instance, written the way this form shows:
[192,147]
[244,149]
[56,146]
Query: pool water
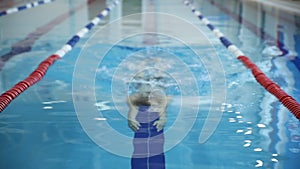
[76,117]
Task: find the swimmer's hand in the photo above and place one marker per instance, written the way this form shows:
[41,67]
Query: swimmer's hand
[160,124]
[134,125]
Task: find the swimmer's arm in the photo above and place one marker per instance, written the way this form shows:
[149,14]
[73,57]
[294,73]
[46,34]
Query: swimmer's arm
[132,108]
[132,122]
[161,122]
[163,112]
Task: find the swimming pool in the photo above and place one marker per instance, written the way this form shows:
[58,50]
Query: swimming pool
[76,116]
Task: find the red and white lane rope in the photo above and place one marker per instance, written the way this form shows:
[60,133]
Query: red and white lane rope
[41,70]
[23,7]
[288,101]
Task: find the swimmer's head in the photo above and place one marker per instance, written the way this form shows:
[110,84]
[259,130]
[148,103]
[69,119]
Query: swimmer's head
[144,88]
[155,92]
[148,85]
[148,80]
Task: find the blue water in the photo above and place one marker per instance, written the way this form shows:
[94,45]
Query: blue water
[43,128]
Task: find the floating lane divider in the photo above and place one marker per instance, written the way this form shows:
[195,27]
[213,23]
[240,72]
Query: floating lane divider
[41,70]
[288,101]
[23,7]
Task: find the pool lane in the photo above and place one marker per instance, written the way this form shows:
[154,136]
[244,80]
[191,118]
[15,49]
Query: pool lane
[25,45]
[40,72]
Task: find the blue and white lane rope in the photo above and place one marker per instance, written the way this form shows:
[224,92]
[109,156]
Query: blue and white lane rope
[23,7]
[231,47]
[288,101]
[7,97]
[73,41]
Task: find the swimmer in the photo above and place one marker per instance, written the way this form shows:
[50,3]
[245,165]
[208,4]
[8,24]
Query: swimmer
[153,97]
[147,117]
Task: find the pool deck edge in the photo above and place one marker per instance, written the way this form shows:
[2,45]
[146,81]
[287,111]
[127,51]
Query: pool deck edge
[292,6]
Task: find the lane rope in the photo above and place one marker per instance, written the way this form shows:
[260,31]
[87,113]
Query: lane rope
[288,101]
[260,32]
[23,7]
[7,97]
